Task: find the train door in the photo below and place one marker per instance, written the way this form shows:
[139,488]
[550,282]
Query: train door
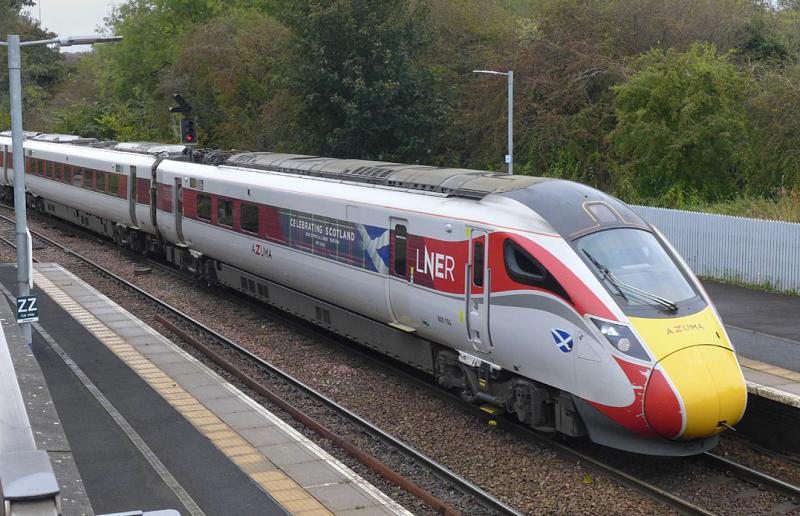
[478,291]
[5,164]
[177,203]
[132,196]
[401,276]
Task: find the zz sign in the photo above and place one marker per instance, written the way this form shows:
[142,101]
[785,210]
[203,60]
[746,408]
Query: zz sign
[27,309]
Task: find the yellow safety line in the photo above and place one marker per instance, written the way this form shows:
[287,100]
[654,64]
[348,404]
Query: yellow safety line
[774,370]
[274,481]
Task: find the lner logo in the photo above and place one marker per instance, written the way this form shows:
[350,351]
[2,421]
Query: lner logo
[436,265]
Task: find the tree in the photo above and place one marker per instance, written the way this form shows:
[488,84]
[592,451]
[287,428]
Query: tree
[773,106]
[152,32]
[41,65]
[236,79]
[682,132]
[363,94]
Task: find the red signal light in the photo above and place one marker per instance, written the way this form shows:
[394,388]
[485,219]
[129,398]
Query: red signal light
[188,130]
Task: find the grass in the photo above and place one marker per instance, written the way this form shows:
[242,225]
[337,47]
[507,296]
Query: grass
[784,206]
[764,286]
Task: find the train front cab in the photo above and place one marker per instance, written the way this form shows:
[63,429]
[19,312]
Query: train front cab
[674,349]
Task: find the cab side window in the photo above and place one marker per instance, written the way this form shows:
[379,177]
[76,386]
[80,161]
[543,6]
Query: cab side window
[527,270]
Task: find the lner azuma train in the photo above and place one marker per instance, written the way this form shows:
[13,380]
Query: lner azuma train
[541,297]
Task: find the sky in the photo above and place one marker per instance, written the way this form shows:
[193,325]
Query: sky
[72,17]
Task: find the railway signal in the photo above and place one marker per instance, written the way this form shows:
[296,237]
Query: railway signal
[188,126]
[188,131]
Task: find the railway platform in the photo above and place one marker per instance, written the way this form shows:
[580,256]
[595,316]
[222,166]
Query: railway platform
[132,422]
[765,329]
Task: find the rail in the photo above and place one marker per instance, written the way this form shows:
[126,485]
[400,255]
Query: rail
[669,499]
[463,485]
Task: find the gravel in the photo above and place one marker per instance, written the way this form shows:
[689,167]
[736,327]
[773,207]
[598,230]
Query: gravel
[527,477]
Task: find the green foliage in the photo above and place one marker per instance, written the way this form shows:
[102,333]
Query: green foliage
[679,102]
[773,106]
[362,92]
[763,43]
[236,79]
[682,131]
[152,32]
[783,205]
[125,122]
[86,119]
[41,65]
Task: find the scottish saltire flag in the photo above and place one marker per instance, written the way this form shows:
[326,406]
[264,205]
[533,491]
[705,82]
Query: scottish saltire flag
[563,340]
[375,242]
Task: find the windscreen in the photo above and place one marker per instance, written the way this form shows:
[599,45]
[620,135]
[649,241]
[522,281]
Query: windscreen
[637,259]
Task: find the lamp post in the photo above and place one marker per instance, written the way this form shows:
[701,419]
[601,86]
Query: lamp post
[510,75]
[15,89]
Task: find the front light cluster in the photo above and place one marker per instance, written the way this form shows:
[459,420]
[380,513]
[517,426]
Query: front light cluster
[622,338]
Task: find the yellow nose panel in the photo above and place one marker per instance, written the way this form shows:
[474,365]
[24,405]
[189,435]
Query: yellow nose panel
[665,336]
[710,383]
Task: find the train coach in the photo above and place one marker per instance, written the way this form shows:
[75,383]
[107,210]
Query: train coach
[539,297]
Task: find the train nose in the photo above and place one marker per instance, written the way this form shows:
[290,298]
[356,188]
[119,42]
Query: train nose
[710,392]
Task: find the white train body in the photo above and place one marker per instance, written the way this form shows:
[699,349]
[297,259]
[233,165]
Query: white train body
[480,279]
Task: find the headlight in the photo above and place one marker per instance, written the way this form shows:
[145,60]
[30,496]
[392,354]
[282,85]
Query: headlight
[622,338]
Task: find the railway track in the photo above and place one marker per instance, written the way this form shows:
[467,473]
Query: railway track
[745,474]
[464,486]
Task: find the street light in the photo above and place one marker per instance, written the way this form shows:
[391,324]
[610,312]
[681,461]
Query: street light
[15,89]
[510,75]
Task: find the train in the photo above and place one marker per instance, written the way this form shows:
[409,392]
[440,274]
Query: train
[540,298]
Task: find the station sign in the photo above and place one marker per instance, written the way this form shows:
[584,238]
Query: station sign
[27,309]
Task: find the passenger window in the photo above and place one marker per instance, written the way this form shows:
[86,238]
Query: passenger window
[113,184]
[143,193]
[521,266]
[225,212]
[68,174]
[51,169]
[88,178]
[477,264]
[400,250]
[248,218]
[203,207]
[101,182]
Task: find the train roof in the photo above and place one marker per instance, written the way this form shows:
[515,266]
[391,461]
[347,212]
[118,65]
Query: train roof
[154,149]
[458,182]
[571,208]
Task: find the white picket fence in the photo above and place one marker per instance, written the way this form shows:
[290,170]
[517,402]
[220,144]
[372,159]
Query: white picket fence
[752,251]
